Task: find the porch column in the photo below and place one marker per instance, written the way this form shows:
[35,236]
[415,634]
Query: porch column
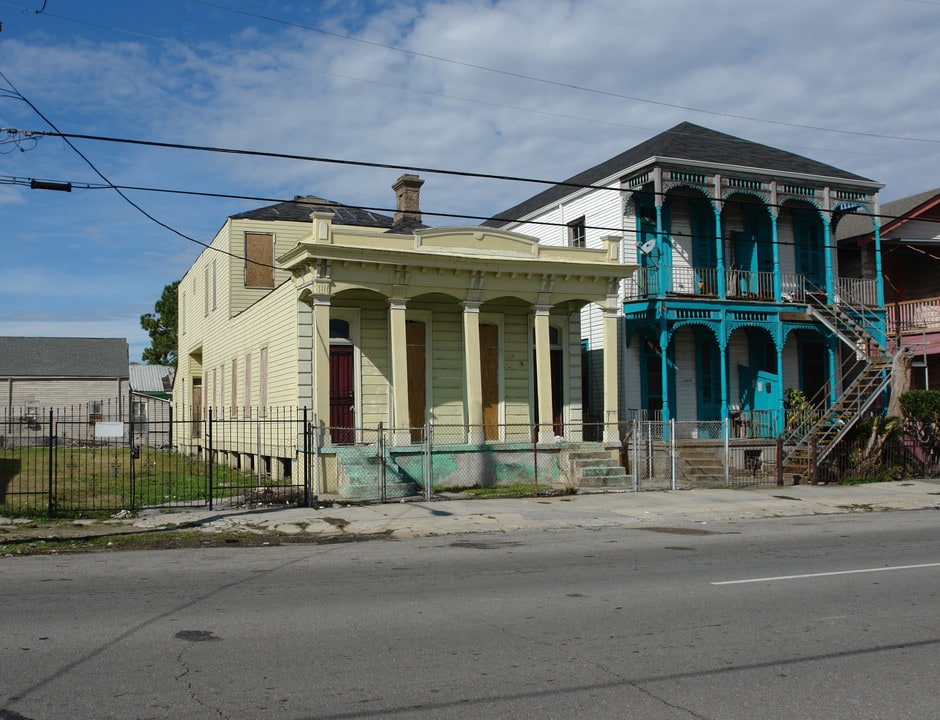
[879,278]
[664,365]
[321,363]
[665,255]
[474,373]
[831,351]
[720,256]
[398,346]
[543,373]
[778,290]
[611,404]
[780,421]
[827,254]
[723,364]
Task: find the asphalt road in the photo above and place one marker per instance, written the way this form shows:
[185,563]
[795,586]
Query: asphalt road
[814,617]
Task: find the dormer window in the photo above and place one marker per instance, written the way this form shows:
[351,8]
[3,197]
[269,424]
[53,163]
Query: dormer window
[577,233]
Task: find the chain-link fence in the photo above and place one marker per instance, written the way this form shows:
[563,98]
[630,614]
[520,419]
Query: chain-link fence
[71,461]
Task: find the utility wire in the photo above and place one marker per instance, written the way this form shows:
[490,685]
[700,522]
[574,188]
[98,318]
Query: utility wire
[506,73]
[109,184]
[356,163]
[558,83]
[9,180]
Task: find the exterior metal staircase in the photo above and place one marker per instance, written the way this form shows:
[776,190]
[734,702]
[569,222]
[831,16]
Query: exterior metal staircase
[812,433]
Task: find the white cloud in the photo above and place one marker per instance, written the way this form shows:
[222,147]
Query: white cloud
[864,67]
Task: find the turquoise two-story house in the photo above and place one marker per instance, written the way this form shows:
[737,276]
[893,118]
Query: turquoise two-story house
[738,320]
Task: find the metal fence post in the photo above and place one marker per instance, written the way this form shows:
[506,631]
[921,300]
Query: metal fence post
[380,457]
[51,503]
[258,462]
[672,443]
[636,455]
[727,429]
[316,457]
[209,459]
[813,457]
[428,463]
[535,454]
[308,496]
[130,439]
[779,462]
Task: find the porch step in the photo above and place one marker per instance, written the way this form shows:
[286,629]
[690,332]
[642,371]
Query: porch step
[701,465]
[360,474]
[592,466]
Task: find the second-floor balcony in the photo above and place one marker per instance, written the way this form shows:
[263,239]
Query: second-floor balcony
[914,317]
[733,284]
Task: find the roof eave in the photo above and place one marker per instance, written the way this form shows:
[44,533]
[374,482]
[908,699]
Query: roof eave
[702,164]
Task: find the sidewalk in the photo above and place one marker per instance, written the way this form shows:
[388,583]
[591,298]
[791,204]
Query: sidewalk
[412,519]
[678,508]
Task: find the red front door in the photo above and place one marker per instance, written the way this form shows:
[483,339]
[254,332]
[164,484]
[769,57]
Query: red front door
[342,397]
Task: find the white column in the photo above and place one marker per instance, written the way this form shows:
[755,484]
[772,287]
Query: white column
[611,354]
[543,373]
[398,345]
[321,362]
[474,373]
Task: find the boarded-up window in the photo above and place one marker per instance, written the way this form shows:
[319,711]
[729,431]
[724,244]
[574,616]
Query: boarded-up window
[234,387]
[248,380]
[205,294]
[221,389]
[259,260]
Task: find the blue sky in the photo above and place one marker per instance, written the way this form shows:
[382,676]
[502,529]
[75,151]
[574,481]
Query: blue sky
[519,87]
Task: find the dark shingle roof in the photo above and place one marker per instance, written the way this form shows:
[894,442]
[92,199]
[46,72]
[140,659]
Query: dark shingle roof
[688,142]
[853,226]
[299,209]
[63,357]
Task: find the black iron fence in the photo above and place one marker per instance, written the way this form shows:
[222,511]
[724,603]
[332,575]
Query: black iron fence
[70,461]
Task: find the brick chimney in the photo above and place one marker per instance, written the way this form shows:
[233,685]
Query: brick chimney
[408,198]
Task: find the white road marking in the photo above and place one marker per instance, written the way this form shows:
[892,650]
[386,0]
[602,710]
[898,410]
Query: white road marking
[825,574]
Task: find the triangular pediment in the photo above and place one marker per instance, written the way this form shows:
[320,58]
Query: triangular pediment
[476,240]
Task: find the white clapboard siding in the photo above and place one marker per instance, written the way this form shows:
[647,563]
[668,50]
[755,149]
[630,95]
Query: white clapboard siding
[685,374]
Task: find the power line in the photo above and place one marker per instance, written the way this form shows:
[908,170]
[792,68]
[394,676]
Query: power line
[505,73]
[101,175]
[558,83]
[9,180]
[338,161]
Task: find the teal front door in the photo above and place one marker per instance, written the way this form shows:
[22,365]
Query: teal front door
[708,370]
[760,400]
[745,261]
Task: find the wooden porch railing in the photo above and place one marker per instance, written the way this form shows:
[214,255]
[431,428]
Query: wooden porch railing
[914,316]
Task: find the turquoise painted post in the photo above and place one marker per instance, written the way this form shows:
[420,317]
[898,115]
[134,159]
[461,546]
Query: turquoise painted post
[723,363]
[664,271]
[720,257]
[664,363]
[781,412]
[778,291]
[879,278]
[827,254]
[831,352]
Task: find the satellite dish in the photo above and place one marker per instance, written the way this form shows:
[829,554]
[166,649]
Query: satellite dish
[647,247]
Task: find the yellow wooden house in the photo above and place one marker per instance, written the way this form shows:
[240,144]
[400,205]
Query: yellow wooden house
[365,321]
